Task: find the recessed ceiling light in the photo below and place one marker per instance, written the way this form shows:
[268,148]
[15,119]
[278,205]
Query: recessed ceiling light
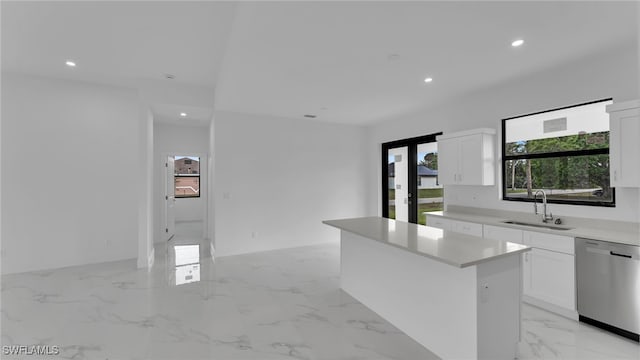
[183,114]
[70,63]
[428,80]
[517,43]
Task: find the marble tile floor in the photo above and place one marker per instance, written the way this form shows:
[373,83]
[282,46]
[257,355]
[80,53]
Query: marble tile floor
[283,304]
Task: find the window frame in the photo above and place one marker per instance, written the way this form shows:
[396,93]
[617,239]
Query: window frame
[176,176]
[555,154]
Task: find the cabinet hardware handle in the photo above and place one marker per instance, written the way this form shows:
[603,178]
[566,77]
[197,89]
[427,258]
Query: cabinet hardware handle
[622,255]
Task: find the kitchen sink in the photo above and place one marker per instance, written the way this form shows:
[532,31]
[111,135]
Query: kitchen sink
[552,227]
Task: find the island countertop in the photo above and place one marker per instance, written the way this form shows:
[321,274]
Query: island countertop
[452,248]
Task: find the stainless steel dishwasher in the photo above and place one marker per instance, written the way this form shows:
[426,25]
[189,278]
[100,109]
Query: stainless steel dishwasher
[608,282]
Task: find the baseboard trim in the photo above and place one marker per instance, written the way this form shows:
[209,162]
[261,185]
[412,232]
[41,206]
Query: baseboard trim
[570,314]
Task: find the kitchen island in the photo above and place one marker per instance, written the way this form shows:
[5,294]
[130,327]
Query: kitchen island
[457,295]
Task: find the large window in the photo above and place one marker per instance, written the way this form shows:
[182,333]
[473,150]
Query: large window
[564,152]
[187,176]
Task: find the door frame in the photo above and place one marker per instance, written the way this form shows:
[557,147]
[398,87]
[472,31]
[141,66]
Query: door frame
[205,195]
[412,146]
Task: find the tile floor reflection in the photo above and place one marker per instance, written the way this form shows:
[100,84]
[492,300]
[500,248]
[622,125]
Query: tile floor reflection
[283,304]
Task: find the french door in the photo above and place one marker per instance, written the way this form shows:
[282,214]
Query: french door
[410,184]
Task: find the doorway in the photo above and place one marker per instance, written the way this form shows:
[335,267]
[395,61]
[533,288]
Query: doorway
[184,211]
[410,183]
[169,198]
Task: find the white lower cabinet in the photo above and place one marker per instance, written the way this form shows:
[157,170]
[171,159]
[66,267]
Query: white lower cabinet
[548,270]
[550,276]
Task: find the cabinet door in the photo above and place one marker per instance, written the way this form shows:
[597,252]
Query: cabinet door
[448,161]
[470,160]
[550,276]
[624,148]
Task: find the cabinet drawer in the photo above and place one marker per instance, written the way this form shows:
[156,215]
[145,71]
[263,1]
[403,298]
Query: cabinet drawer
[440,222]
[501,233]
[468,228]
[564,244]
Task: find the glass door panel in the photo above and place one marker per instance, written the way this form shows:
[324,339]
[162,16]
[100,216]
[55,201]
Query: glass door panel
[430,192]
[398,183]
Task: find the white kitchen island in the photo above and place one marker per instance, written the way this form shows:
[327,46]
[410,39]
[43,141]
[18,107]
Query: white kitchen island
[457,295]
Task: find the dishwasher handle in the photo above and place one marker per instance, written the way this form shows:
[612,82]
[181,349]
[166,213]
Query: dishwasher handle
[621,255]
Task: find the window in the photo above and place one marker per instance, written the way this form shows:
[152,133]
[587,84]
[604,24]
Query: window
[564,152]
[187,176]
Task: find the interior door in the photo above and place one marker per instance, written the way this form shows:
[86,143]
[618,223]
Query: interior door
[170,198]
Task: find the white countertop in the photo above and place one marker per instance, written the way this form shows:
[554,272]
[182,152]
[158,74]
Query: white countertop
[448,247]
[605,234]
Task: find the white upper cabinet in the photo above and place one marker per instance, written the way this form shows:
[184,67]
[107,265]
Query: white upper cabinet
[467,157]
[624,146]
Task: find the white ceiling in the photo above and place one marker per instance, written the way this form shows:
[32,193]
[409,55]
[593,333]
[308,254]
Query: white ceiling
[117,42]
[291,59]
[331,59]
[123,43]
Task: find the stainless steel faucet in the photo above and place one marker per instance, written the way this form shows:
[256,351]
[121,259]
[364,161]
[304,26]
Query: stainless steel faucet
[545,217]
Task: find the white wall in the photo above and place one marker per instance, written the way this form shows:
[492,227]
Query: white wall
[70,157]
[611,74]
[180,140]
[210,188]
[277,179]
